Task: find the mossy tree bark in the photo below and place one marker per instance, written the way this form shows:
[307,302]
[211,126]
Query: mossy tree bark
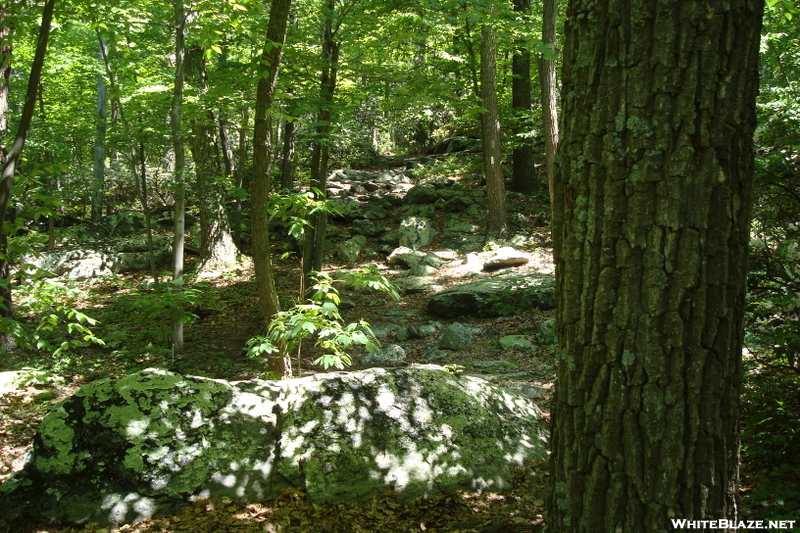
[262,151]
[651,227]
[523,175]
[218,251]
[314,246]
[549,83]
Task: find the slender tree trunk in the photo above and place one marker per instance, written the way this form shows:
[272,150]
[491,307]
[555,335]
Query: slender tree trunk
[287,156]
[314,247]
[98,182]
[549,82]
[497,222]
[523,177]
[236,217]
[218,252]
[6,31]
[180,171]
[279,364]
[651,229]
[12,157]
[136,160]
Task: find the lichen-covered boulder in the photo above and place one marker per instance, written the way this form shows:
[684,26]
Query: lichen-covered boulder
[497,295]
[121,450]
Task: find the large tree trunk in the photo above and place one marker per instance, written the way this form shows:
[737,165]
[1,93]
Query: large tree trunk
[279,363]
[497,222]
[549,83]
[11,158]
[180,171]
[523,175]
[218,252]
[651,224]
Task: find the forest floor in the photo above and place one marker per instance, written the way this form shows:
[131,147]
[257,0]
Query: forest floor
[228,316]
[137,336]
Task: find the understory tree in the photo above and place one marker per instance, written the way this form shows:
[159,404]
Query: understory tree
[651,229]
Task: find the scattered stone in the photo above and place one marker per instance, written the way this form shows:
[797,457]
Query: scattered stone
[416,284]
[505,257]
[386,355]
[416,232]
[408,258]
[456,337]
[492,365]
[547,332]
[381,330]
[516,342]
[496,295]
[350,250]
[123,450]
[421,194]
[368,228]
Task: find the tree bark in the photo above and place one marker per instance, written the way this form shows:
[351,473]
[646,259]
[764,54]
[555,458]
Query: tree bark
[497,222]
[523,175]
[99,175]
[217,248]
[262,152]
[314,246]
[549,83]
[11,158]
[180,171]
[651,228]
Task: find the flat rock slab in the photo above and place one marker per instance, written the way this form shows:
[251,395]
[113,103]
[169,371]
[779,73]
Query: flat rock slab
[495,296]
[121,450]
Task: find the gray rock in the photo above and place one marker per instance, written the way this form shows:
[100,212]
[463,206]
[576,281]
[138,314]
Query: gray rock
[406,257]
[496,295]
[125,255]
[381,330]
[516,342]
[368,228]
[123,450]
[391,353]
[421,194]
[416,232]
[547,331]
[456,336]
[346,208]
[416,284]
[505,257]
[350,250]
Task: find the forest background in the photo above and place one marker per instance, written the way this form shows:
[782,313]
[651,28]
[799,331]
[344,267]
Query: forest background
[129,123]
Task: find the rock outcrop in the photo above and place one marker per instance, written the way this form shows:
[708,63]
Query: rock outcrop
[496,295]
[121,450]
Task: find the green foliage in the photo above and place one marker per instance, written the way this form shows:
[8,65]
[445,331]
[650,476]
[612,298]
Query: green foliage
[294,210]
[319,319]
[770,440]
[51,322]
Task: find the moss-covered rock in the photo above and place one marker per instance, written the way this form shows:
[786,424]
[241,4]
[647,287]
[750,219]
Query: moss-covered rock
[125,449]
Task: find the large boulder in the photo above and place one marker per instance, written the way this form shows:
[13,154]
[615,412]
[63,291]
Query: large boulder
[123,255]
[494,296]
[121,450]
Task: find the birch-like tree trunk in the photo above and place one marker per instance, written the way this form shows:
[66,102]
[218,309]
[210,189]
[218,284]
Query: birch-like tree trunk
[180,171]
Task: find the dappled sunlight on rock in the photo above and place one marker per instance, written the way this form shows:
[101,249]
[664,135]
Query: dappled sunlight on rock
[151,441]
